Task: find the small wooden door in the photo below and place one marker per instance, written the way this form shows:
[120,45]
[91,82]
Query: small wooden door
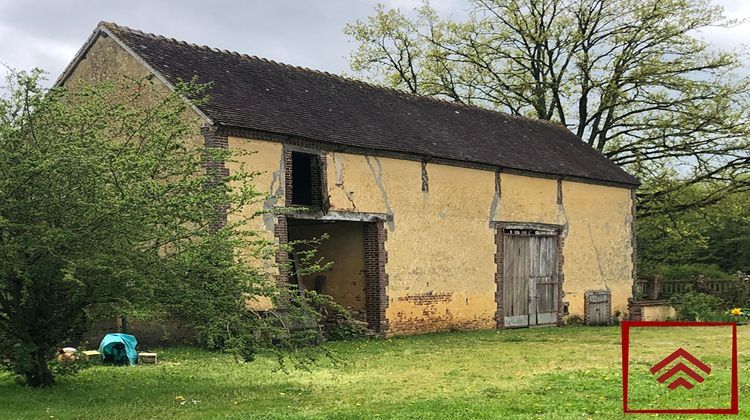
[530,278]
[597,307]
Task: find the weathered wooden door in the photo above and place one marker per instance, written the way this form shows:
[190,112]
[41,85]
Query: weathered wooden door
[530,280]
[597,307]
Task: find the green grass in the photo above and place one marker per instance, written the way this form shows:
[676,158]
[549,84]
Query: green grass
[533,373]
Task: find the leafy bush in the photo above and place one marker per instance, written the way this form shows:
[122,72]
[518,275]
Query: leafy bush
[695,306]
[106,200]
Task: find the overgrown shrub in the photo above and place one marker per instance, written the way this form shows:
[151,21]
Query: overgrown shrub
[696,306]
[105,199]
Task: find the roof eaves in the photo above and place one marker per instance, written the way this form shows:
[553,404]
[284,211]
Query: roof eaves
[247,133]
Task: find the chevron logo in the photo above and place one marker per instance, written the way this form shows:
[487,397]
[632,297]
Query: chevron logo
[680,353]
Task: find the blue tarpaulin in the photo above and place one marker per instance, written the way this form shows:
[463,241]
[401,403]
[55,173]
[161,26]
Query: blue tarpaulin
[119,348]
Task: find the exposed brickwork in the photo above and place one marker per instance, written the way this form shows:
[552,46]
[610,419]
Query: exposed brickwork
[635,311]
[281,232]
[434,319]
[498,185]
[430,314]
[427,298]
[560,277]
[318,174]
[216,169]
[376,278]
[559,191]
[499,255]
[287,177]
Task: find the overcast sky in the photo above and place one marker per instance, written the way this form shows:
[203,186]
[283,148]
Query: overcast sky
[47,33]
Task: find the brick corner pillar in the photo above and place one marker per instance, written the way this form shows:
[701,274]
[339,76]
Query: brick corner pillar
[376,278]
[281,232]
[560,277]
[499,255]
[288,183]
[216,170]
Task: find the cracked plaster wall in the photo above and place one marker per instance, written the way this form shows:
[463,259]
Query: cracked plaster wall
[440,242]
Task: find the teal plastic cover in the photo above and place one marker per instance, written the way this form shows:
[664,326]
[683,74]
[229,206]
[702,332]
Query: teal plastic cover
[120,348]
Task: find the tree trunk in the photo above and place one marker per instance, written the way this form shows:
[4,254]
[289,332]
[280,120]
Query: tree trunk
[39,373]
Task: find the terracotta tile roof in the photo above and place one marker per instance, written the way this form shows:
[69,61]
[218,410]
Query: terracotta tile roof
[255,93]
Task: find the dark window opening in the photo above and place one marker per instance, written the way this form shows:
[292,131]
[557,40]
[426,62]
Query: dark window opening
[305,179]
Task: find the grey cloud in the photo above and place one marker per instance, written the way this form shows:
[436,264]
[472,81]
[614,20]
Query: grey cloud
[47,33]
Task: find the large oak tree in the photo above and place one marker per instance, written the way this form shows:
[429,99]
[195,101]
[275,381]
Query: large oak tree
[632,78]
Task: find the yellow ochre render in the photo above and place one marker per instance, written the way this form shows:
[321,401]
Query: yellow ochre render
[440,242]
[658,313]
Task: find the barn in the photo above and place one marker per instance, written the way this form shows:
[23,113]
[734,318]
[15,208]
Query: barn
[439,215]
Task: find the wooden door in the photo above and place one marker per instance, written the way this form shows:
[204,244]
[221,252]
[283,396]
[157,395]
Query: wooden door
[597,307]
[530,280]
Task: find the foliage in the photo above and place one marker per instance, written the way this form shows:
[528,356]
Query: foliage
[60,368]
[207,291]
[708,241]
[737,294]
[695,306]
[108,201]
[338,323]
[722,317]
[629,77]
[85,219]
[513,374]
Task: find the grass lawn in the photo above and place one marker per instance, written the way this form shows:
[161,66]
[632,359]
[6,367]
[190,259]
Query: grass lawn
[572,372]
